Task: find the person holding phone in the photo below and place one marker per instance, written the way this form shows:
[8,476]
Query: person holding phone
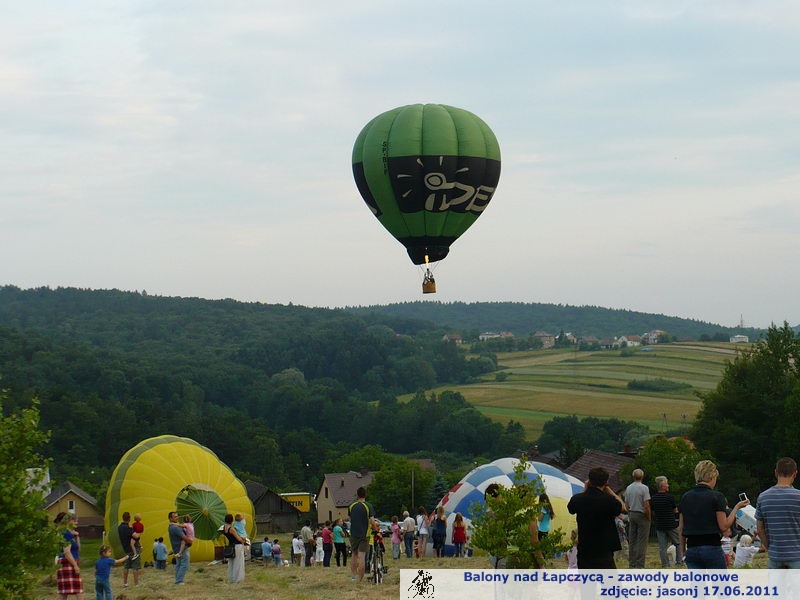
[703,519]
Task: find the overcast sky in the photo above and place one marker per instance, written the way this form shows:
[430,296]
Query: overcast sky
[651,150]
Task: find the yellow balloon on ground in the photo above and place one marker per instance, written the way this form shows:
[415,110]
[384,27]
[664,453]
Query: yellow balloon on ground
[170,473]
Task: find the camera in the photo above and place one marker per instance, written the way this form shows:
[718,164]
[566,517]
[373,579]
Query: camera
[742,496]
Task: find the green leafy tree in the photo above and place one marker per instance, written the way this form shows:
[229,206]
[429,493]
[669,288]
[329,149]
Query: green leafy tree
[502,526]
[24,524]
[400,485]
[674,458]
[750,419]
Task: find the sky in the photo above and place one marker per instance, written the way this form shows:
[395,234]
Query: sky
[650,150]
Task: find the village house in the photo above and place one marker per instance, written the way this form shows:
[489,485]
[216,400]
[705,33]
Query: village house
[273,514]
[628,341]
[548,340]
[452,337]
[338,492]
[490,335]
[615,464]
[70,498]
[652,337]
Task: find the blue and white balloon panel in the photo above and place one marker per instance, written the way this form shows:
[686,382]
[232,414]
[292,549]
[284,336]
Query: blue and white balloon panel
[559,487]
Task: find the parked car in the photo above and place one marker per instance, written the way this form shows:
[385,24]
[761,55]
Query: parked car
[386,528]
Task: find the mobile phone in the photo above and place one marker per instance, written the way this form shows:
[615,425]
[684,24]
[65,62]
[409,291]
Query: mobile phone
[742,496]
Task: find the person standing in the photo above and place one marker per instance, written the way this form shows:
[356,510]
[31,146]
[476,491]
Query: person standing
[459,535]
[397,537]
[276,552]
[160,552]
[307,535]
[439,532]
[637,497]
[235,539]
[134,563]
[176,536]
[359,530]
[102,572]
[703,518]
[327,544]
[409,530]
[339,544]
[266,552]
[665,513]
[423,524]
[546,515]
[68,576]
[595,508]
[778,521]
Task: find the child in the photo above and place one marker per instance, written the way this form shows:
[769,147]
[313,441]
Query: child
[276,552]
[727,546]
[571,556]
[622,533]
[240,525]
[102,572]
[160,552]
[319,551]
[136,536]
[299,551]
[188,531]
[459,535]
[745,551]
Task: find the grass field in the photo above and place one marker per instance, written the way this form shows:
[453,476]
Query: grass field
[542,384]
[208,582]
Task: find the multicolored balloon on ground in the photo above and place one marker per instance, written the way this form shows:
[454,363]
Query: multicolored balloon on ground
[169,473]
[559,487]
[427,172]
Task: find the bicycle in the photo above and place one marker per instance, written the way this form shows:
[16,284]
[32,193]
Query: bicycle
[377,569]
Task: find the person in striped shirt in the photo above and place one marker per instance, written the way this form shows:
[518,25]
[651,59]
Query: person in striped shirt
[778,520]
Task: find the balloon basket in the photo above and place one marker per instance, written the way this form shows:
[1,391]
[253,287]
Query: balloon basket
[428,287]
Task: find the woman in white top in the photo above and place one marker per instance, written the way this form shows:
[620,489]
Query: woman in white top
[423,528]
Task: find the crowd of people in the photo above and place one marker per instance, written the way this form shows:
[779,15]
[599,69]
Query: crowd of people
[698,531]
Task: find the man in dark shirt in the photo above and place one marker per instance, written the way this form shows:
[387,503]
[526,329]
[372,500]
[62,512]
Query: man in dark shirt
[665,512]
[359,529]
[596,508]
[125,533]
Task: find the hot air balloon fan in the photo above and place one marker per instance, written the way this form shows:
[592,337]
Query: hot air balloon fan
[427,172]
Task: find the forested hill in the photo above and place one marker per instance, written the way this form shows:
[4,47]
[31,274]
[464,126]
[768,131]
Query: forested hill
[523,319]
[275,391]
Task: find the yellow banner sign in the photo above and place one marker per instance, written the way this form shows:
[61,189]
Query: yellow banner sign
[301,501]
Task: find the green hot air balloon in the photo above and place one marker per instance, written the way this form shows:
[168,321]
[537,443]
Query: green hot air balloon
[427,172]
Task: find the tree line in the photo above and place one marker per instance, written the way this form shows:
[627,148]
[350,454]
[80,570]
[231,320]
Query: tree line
[273,390]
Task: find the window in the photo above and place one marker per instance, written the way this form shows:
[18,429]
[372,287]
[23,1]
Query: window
[71,506]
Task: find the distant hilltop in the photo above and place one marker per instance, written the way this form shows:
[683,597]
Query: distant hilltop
[61,309]
[523,319]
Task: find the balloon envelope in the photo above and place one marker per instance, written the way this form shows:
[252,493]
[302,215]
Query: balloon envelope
[559,487]
[427,172]
[169,473]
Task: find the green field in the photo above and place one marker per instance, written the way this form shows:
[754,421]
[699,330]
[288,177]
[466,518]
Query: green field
[543,384]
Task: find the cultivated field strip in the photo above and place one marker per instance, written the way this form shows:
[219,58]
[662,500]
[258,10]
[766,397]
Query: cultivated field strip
[536,386]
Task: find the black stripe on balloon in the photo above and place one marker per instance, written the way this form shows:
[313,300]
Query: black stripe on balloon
[439,184]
